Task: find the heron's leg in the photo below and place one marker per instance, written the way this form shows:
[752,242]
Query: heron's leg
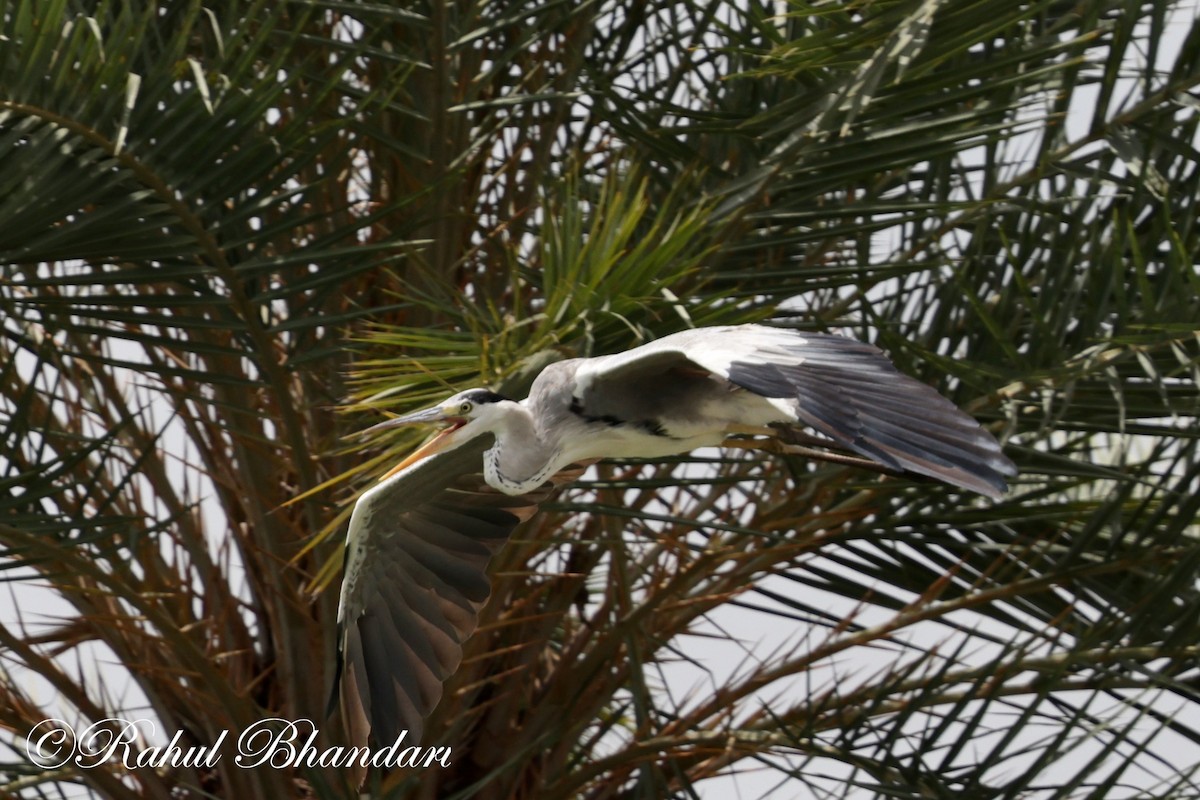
[795,436]
[777,447]
[785,434]
[752,430]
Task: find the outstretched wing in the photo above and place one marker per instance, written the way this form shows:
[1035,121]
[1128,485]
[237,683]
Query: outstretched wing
[845,389]
[415,579]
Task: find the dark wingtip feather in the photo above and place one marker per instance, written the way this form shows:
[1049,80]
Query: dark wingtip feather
[338,664]
[851,392]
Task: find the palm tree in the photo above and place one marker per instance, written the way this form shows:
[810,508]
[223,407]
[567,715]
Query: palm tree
[232,233]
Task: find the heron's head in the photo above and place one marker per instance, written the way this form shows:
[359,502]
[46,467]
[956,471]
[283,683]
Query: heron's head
[468,413]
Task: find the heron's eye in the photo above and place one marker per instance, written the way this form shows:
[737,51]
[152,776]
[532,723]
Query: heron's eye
[465,407]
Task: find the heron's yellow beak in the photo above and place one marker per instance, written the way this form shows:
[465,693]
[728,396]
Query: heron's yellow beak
[444,438]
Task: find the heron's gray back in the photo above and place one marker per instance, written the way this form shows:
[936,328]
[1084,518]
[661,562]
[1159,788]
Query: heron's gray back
[665,394]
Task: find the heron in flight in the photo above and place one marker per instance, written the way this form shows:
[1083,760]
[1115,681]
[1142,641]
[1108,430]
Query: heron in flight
[420,540]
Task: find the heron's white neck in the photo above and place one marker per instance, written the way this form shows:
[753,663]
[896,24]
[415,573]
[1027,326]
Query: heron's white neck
[520,460]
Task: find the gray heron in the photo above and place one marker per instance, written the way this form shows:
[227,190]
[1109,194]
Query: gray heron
[420,540]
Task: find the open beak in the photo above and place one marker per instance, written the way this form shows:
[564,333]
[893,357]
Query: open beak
[444,439]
